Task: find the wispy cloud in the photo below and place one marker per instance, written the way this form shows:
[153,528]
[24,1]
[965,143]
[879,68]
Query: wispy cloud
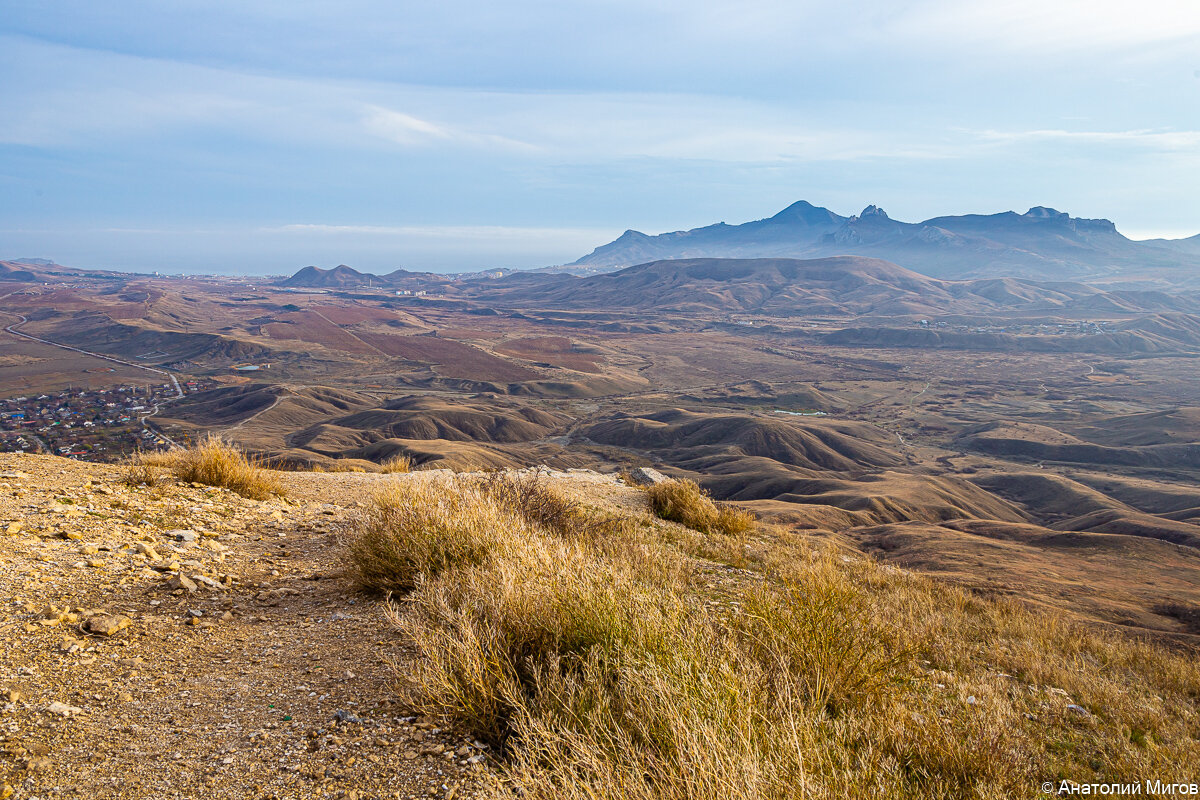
[406,130]
[1037,25]
[1149,139]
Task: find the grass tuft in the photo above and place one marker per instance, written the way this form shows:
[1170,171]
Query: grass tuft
[683,501]
[214,462]
[139,470]
[397,464]
[417,530]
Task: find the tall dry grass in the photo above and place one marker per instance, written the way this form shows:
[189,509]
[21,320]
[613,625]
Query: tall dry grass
[397,464]
[215,462]
[612,662]
[683,501]
[417,530]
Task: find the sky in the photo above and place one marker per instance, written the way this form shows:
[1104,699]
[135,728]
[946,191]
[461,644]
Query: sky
[259,136]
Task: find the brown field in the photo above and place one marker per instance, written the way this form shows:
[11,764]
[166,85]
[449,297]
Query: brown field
[556,350]
[315,327]
[452,359]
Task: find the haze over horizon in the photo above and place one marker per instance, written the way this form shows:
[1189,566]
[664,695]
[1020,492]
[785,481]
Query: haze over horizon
[262,137]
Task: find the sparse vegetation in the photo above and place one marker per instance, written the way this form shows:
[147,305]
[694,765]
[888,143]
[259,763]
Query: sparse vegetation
[139,470]
[415,531]
[614,665]
[214,462]
[683,501]
[398,463]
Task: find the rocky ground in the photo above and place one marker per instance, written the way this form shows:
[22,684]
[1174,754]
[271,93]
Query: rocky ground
[179,641]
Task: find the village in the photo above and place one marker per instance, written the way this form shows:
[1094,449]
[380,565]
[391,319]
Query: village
[88,424]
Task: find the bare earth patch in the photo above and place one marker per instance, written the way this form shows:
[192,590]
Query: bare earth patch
[239,664]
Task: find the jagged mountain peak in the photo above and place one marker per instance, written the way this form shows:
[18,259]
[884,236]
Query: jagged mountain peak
[1043,243]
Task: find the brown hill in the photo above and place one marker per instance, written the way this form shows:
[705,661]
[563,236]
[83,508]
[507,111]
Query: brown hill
[839,285]
[677,436]
[1067,505]
[100,333]
[1002,439]
[272,406]
[340,276]
[455,420]
[1111,578]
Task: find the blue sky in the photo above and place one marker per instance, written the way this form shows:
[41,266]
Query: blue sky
[265,136]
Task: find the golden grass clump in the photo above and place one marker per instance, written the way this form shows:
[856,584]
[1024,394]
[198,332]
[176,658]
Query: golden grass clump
[614,662]
[416,530]
[215,462]
[683,501]
[397,464]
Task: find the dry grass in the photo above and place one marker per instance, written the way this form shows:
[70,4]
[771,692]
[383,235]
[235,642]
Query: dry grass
[683,501]
[214,462]
[397,464]
[140,470]
[610,663]
[416,530]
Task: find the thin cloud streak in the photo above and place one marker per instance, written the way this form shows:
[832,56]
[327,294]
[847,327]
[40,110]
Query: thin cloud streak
[1148,139]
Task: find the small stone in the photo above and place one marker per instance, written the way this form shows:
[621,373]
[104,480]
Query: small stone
[227,616]
[195,612]
[69,645]
[12,695]
[13,529]
[209,582]
[183,535]
[107,624]
[148,551]
[6,792]
[180,581]
[88,550]
[38,764]
[63,710]
[1078,710]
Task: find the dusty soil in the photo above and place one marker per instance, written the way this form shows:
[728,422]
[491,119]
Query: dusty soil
[259,674]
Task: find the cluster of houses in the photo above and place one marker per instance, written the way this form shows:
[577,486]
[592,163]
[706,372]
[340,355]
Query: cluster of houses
[88,424]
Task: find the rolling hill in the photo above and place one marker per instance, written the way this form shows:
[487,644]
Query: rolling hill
[839,285]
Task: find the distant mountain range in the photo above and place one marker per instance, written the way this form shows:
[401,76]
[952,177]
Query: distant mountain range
[344,277]
[1041,244]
